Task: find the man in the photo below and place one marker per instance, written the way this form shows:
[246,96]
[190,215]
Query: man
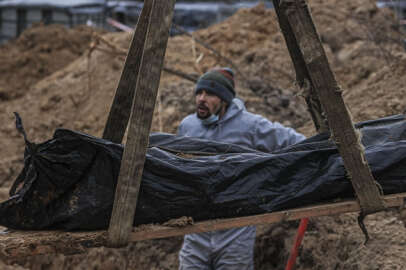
[221,117]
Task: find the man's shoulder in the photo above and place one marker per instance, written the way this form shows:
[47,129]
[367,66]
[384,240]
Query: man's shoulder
[189,120]
[188,123]
[252,118]
[255,121]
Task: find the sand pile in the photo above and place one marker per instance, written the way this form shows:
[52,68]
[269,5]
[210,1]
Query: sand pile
[364,47]
[37,53]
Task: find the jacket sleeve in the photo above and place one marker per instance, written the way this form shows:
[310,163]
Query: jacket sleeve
[269,137]
[182,129]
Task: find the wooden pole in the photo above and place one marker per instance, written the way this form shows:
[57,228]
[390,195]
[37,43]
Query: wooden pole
[311,59]
[302,75]
[121,108]
[132,163]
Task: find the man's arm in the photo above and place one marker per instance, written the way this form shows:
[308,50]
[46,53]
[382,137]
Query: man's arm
[269,137]
[182,127]
[180,130]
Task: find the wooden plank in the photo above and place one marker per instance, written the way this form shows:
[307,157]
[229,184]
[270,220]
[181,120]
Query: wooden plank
[18,244]
[302,75]
[15,245]
[294,214]
[329,92]
[121,108]
[140,122]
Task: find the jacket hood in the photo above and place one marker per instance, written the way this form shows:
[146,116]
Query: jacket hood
[236,107]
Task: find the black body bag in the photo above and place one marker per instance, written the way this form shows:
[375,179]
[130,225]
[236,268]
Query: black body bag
[69,181]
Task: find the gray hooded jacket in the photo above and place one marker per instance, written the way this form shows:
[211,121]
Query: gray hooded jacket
[243,128]
[233,248]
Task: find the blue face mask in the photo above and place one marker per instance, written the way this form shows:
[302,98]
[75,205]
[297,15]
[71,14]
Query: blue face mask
[210,120]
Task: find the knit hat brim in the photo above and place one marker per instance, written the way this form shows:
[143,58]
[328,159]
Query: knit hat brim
[215,88]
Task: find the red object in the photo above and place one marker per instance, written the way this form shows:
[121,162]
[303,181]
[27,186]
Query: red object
[295,249]
[119,25]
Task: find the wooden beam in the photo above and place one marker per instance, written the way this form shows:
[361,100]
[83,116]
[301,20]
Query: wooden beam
[17,244]
[121,108]
[132,163]
[302,75]
[294,214]
[297,15]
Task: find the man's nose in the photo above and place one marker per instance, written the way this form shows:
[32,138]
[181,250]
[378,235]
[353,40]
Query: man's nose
[202,96]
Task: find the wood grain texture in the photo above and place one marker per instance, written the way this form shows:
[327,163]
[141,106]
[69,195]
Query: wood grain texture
[302,75]
[120,110]
[132,163]
[16,245]
[395,200]
[323,82]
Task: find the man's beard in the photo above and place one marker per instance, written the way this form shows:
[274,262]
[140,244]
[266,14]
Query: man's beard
[202,106]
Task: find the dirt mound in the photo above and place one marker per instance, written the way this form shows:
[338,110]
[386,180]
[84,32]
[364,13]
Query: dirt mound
[364,47]
[38,52]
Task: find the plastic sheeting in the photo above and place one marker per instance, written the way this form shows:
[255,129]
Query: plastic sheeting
[68,182]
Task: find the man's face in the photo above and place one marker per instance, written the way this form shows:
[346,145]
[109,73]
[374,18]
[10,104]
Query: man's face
[207,104]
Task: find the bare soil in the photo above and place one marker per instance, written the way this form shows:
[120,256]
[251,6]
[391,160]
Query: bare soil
[365,50]
[37,53]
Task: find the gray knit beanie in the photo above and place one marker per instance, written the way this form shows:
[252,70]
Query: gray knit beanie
[219,81]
